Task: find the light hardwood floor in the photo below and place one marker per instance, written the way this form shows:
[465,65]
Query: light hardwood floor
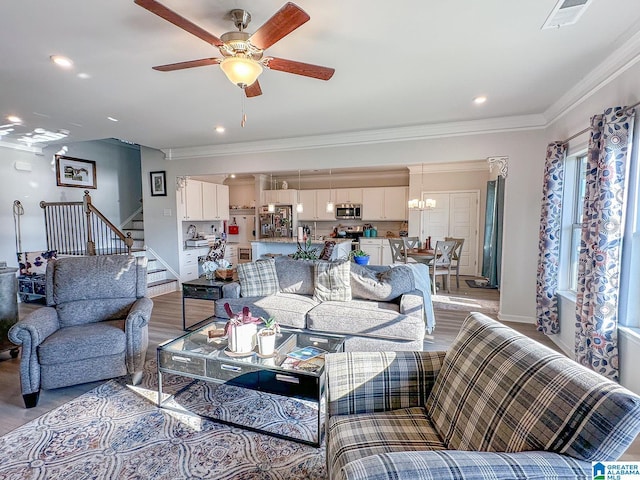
[166,323]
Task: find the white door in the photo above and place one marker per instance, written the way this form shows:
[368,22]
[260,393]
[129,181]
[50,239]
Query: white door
[455,215]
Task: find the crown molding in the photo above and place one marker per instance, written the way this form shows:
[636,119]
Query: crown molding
[365,137]
[616,63]
[24,148]
[470,166]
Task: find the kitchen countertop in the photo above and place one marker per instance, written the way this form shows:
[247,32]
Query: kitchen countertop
[295,240]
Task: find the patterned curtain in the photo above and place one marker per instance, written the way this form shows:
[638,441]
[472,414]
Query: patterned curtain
[601,241]
[549,240]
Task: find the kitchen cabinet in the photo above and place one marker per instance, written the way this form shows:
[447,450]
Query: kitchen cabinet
[348,195]
[314,204]
[203,201]
[384,203]
[372,246]
[215,201]
[231,254]
[282,197]
[189,263]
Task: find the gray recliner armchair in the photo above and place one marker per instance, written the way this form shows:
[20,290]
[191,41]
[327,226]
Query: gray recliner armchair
[94,327]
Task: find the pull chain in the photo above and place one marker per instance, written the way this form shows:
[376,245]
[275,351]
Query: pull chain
[243,121]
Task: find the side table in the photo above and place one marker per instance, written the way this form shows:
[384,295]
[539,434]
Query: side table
[201,289]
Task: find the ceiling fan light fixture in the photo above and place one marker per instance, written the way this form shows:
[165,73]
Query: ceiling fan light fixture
[241,71]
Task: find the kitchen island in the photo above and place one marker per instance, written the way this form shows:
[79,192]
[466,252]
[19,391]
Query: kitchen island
[265,247]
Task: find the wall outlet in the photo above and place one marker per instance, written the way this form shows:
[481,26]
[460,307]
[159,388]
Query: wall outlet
[167,212]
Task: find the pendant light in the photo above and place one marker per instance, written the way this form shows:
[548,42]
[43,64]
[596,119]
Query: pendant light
[271,208]
[299,206]
[330,204]
[419,203]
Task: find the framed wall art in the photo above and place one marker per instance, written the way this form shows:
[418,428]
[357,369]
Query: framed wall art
[158,184]
[75,172]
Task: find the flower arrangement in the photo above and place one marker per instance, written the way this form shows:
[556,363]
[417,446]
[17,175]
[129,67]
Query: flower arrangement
[209,267]
[305,252]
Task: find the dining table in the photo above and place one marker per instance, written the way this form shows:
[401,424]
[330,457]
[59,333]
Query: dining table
[421,255]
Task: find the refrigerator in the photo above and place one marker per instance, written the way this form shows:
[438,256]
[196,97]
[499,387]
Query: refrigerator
[279,223]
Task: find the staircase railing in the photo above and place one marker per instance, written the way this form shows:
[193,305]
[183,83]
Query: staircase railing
[79,228]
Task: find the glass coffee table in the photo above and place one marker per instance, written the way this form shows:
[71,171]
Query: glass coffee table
[203,354]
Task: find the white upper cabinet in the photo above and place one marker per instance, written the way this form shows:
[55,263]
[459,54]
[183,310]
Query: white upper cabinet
[348,195]
[282,197]
[314,203]
[384,203]
[203,201]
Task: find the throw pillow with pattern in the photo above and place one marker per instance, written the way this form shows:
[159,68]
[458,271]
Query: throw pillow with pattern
[332,281]
[258,279]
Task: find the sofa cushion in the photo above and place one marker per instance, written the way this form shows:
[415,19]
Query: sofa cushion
[289,309]
[98,340]
[366,318]
[381,286]
[332,281]
[258,278]
[500,391]
[352,437]
[92,311]
[295,276]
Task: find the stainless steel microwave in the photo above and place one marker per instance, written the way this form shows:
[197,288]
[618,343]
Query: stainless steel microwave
[346,211]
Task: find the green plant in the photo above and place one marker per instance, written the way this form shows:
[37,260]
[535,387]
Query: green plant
[270,324]
[305,251]
[358,253]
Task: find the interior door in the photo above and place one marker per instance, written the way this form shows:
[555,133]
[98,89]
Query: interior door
[455,215]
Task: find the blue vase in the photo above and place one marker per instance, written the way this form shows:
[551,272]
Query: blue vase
[361,260]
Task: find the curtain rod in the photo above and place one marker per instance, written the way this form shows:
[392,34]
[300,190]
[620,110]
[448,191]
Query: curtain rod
[588,128]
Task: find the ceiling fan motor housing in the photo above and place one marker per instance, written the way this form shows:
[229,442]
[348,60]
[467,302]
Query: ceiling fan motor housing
[237,43]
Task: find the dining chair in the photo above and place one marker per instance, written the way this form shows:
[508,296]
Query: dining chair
[455,257]
[441,263]
[398,254]
[411,243]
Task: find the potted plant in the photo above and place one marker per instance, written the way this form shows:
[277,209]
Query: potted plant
[360,257]
[241,330]
[267,336]
[305,251]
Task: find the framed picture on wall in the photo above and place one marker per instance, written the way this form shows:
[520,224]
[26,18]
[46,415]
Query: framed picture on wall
[158,184]
[75,172]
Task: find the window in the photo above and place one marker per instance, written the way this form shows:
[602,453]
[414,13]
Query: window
[579,188]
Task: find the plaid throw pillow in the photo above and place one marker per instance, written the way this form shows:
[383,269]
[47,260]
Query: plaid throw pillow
[258,279]
[332,281]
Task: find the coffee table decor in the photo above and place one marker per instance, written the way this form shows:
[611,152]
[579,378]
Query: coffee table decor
[241,330]
[203,355]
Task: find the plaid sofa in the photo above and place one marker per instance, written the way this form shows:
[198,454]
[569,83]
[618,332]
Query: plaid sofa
[496,405]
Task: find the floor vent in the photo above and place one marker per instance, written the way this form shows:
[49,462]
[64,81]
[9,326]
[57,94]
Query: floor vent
[566,12]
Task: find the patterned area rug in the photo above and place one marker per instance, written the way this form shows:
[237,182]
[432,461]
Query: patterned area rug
[116,431]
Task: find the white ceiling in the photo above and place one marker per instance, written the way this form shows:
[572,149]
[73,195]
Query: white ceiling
[402,63]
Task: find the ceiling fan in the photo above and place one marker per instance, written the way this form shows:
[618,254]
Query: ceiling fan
[243,53]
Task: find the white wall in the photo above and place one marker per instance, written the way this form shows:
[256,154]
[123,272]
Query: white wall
[523,192]
[620,91]
[117,196]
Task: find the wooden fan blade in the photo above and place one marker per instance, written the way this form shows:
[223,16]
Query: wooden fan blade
[299,68]
[190,64]
[179,21]
[253,90]
[281,24]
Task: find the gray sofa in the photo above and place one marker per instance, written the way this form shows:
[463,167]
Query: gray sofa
[385,311]
[496,405]
[94,327]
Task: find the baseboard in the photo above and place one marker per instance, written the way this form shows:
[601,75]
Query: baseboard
[516,318]
[567,349]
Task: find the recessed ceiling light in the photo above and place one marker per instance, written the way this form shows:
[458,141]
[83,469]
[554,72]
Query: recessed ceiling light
[233,175]
[112,119]
[479,100]
[84,76]
[61,61]
[14,119]
[220,129]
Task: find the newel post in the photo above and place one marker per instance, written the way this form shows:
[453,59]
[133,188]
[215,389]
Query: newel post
[86,202]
